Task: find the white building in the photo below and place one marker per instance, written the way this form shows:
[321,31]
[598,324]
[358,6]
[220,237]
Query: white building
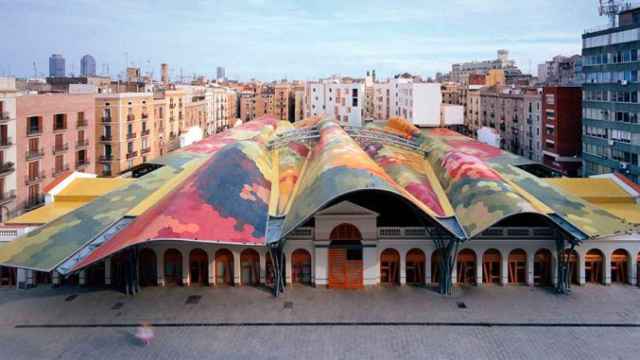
[343,100]
[8,152]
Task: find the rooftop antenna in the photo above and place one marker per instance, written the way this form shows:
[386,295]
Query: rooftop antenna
[35,70]
[611,8]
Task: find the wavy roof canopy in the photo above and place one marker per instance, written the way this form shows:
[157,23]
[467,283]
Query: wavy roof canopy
[255,183]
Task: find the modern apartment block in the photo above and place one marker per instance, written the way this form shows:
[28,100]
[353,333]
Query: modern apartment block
[561,116]
[417,102]
[610,105]
[55,134]
[8,151]
[342,99]
[461,72]
[561,70]
[126,131]
[382,101]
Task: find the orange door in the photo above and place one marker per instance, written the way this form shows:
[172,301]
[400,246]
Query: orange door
[345,268]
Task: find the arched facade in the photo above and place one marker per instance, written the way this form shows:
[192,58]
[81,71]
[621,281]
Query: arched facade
[466,267]
[542,270]
[345,258]
[148,263]
[491,267]
[415,267]
[620,261]
[249,267]
[198,267]
[390,267]
[594,266]
[301,267]
[172,267]
[224,267]
[517,267]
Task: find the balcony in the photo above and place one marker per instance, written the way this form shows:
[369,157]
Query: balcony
[59,128]
[35,178]
[82,143]
[82,163]
[146,132]
[106,158]
[145,150]
[145,115]
[7,197]
[34,154]
[7,168]
[106,119]
[132,154]
[81,123]
[131,135]
[34,131]
[34,202]
[131,117]
[59,148]
[6,142]
[105,138]
[4,117]
[57,171]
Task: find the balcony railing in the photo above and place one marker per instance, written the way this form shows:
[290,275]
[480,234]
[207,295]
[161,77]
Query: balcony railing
[4,117]
[56,149]
[36,178]
[81,123]
[131,135]
[82,163]
[82,143]
[34,131]
[34,202]
[106,158]
[57,171]
[105,138]
[131,117]
[146,132]
[132,154]
[7,168]
[6,142]
[34,154]
[106,119]
[145,115]
[7,197]
[145,150]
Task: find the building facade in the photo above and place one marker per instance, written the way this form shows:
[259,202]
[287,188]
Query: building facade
[55,134]
[562,141]
[88,66]
[532,132]
[57,66]
[8,149]
[343,100]
[611,129]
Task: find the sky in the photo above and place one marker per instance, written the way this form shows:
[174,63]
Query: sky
[292,39]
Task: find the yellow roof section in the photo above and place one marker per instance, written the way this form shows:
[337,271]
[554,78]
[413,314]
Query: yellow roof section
[47,213]
[82,188]
[75,195]
[601,192]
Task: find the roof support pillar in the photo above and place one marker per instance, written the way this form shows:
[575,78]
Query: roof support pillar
[563,285]
[278,269]
[447,247]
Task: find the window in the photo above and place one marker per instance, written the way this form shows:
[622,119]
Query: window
[33,125]
[59,122]
[130,148]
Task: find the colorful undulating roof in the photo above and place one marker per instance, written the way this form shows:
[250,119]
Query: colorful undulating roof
[255,183]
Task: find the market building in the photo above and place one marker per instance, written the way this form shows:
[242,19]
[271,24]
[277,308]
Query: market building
[274,203]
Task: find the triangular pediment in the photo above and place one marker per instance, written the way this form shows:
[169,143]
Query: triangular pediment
[346,208]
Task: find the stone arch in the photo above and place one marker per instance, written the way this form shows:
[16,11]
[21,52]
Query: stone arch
[594,266]
[390,267]
[199,267]
[345,257]
[517,266]
[491,266]
[224,267]
[249,267]
[466,267]
[301,267]
[620,262]
[173,267]
[415,267]
[148,267]
[542,267]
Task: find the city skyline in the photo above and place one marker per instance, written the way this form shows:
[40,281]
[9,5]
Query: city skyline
[255,36]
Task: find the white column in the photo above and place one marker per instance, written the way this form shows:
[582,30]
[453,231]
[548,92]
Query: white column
[21,278]
[236,268]
[107,271]
[454,273]
[82,277]
[504,269]
[581,272]
[403,268]
[160,267]
[55,278]
[530,268]
[371,264]
[321,253]
[607,269]
[263,267]
[288,268]
[186,278]
[554,269]
[479,269]
[212,268]
[427,268]
[633,271]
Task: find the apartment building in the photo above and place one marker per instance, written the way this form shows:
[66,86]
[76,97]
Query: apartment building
[282,101]
[8,151]
[126,131]
[561,70]
[231,97]
[561,116]
[502,109]
[247,105]
[55,134]
[532,140]
[160,114]
[342,99]
[418,102]
[298,109]
[611,109]
[265,99]
[381,101]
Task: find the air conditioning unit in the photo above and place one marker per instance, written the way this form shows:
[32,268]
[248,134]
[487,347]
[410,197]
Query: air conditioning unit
[610,142]
[624,82]
[623,165]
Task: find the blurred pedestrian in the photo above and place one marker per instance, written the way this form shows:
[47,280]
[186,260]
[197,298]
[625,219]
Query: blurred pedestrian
[144,333]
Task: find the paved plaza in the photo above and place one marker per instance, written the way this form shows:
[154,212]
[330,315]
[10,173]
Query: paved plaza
[593,322]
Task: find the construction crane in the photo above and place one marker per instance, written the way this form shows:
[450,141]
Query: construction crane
[612,8]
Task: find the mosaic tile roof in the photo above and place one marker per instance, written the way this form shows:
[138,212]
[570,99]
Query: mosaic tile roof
[255,183]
